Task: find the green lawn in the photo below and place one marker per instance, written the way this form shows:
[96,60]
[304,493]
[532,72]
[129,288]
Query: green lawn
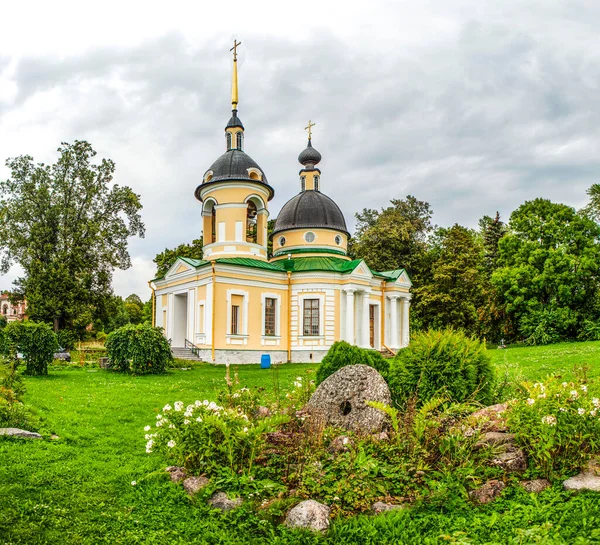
[77,489]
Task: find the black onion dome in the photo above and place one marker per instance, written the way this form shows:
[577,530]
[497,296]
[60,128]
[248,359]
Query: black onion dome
[310,156]
[310,210]
[233,165]
[235,121]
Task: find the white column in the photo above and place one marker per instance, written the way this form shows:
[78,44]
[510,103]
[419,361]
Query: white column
[394,342]
[366,329]
[191,315]
[208,325]
[350,316]
[405,321]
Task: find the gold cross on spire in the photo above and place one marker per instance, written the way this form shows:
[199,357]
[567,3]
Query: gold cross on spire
[234,49]
[309,128]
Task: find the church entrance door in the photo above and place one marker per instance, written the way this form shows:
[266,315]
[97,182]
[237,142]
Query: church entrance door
[372,326]
[180,303]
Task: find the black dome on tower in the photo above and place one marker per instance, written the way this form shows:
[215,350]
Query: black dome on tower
[310,156]
[310,210]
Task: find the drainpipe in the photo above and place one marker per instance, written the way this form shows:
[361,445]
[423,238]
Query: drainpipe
[289,332]
[382,313]
[214,298]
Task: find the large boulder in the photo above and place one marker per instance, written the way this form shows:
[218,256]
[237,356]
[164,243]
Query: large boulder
[341,399]
[221,501]
[584,481]
[16,432]
[310,515]
[487,492]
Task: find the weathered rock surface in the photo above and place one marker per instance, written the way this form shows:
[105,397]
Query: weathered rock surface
[222,502]
[309,514]
[536,486]
[16,432]
[513,460]
[382,507]
[492,418]
[495,438]
[193,484]
[584,481]
[342,443]
[341,399]
[487,492]
[263,412]
[176,473]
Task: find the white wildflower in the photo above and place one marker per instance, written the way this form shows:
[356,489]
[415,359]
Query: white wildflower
[179,406]
[562,410]
[245,430]
[146,428]
[564,384]
[197,403]
[530,401]
[299,379]
[186,421]
[297,384]
[188,413]
[199,419]
[542,395]
[593,412]
[574,394]
[205,403]
[171,443]
[133,483]
[596,402]
[159,417]
[581,411]
[172,426]
[549,419]
[236,395]
[149,445]
[583,388]
[159,423]
[166,408]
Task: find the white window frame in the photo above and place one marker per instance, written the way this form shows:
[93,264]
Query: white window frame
[263,307]
[244,309]
[322,313]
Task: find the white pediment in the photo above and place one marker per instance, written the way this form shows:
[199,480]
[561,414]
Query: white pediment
[178,268]
[362,270]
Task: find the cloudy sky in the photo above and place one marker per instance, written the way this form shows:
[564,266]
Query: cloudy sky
[472,105]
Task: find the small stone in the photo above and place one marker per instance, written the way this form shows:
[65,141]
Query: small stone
[381,436]
[263,412]
[514,460]
[341,399]
[382,507]
[309,514]
[16,432]
[487,492]
[583,481]
[491,418]
[222,502]
[177,473]
[340,444]
[536,486]
[495,438]
[193,484]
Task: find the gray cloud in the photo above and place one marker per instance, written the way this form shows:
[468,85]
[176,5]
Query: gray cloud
[478,119]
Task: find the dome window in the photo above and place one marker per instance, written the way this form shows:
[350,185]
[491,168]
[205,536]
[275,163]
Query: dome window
[316,183]
[338,239]
[228,141]
[239,140]
[281,241]
[302,183]
[309,237]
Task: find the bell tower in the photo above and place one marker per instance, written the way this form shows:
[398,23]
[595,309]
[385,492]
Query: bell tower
[235,193]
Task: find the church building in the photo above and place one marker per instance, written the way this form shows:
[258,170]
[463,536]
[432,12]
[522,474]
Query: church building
[238,302]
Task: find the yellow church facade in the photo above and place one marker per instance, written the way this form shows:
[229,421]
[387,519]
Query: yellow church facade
[239,303]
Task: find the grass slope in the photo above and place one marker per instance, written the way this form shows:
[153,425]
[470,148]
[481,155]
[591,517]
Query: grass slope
[77,489]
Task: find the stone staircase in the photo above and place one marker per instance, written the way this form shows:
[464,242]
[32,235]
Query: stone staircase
[181,353]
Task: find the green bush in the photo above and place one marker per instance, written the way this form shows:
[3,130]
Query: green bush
[557,425]
[441,362]
[3,343]
[101,336]
[138,349]
[342,353]
[36,341]
[67,339]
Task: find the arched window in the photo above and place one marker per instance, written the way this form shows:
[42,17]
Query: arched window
[228,141]
[5,309]
[303,183]
[251,223]
[316,183]
[239,140]
[213,224]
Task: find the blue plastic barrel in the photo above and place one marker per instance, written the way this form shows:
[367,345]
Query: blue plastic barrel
[265,361]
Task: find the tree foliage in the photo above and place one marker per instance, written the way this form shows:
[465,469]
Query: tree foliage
[67,226]
[165,259]
[139,349]
[36,341]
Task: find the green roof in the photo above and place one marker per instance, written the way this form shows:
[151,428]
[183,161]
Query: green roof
[298,264]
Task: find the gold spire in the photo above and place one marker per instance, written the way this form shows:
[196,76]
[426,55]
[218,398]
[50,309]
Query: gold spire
[234,79]
[309,128]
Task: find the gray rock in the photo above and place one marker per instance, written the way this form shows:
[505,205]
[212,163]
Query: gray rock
[309,514]
[495,438]
[222,502]
[536,486]
[341,399]
[487,492]
[176,473]
[16,432]
[513,460]
[193,484]
[583,481]
[492,418]
[382,507]
[342,443]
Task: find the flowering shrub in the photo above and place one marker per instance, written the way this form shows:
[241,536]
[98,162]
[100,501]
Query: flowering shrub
[558,425]
[208,438]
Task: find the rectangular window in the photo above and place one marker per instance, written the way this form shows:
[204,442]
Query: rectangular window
[311,317]
[235,319]
[270,316]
